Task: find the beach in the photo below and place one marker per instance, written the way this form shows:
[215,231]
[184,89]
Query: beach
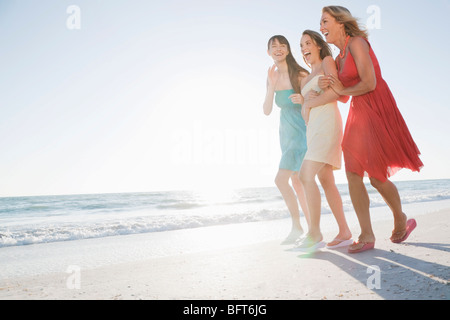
[235,262]
[139,163]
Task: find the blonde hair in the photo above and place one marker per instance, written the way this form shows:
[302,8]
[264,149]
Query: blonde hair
[343,16]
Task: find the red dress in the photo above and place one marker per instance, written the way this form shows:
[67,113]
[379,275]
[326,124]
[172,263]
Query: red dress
[376,140]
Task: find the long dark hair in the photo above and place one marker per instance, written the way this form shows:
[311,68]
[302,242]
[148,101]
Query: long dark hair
[294,69]
[325,50]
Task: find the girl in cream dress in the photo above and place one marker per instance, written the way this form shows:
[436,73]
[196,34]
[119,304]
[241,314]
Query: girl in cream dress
[324,130]
[324,137]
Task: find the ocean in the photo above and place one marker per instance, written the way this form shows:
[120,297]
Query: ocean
[46,219]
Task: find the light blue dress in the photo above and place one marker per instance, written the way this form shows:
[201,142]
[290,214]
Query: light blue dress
[292,131]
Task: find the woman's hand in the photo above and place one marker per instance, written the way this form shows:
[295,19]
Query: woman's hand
[297,98]
[324,82]
[331,81]
[311,94]
[272,80]
[336,85]
[306,109]
[273,76]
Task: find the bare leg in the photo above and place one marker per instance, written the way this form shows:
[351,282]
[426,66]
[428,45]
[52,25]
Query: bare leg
[308,173]
[391,196]
[282,182]
[326,178]
[361,204]
[300,191]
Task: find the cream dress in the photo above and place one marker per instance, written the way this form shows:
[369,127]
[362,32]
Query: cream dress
[324,130]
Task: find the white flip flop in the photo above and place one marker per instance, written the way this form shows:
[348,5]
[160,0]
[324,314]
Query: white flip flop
[303,246]
[293,237]
[342,243]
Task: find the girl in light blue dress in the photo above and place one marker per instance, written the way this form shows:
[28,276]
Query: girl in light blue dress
[283,84]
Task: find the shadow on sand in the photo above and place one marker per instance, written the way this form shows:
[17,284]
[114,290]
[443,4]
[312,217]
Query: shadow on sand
[392,275]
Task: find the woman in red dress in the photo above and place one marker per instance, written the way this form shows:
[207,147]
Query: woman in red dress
[376,141]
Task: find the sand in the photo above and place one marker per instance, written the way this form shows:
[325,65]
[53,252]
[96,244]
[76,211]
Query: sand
[416,269]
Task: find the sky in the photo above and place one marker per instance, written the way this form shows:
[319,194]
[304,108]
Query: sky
[133,96]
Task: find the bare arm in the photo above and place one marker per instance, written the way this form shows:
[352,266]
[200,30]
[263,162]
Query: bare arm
[325,82]
[329,67]
[359,49]
[272,79]
[268,101]
[297,98]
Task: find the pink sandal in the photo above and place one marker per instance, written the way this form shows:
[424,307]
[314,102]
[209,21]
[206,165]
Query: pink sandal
[366,246]
[410,226]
